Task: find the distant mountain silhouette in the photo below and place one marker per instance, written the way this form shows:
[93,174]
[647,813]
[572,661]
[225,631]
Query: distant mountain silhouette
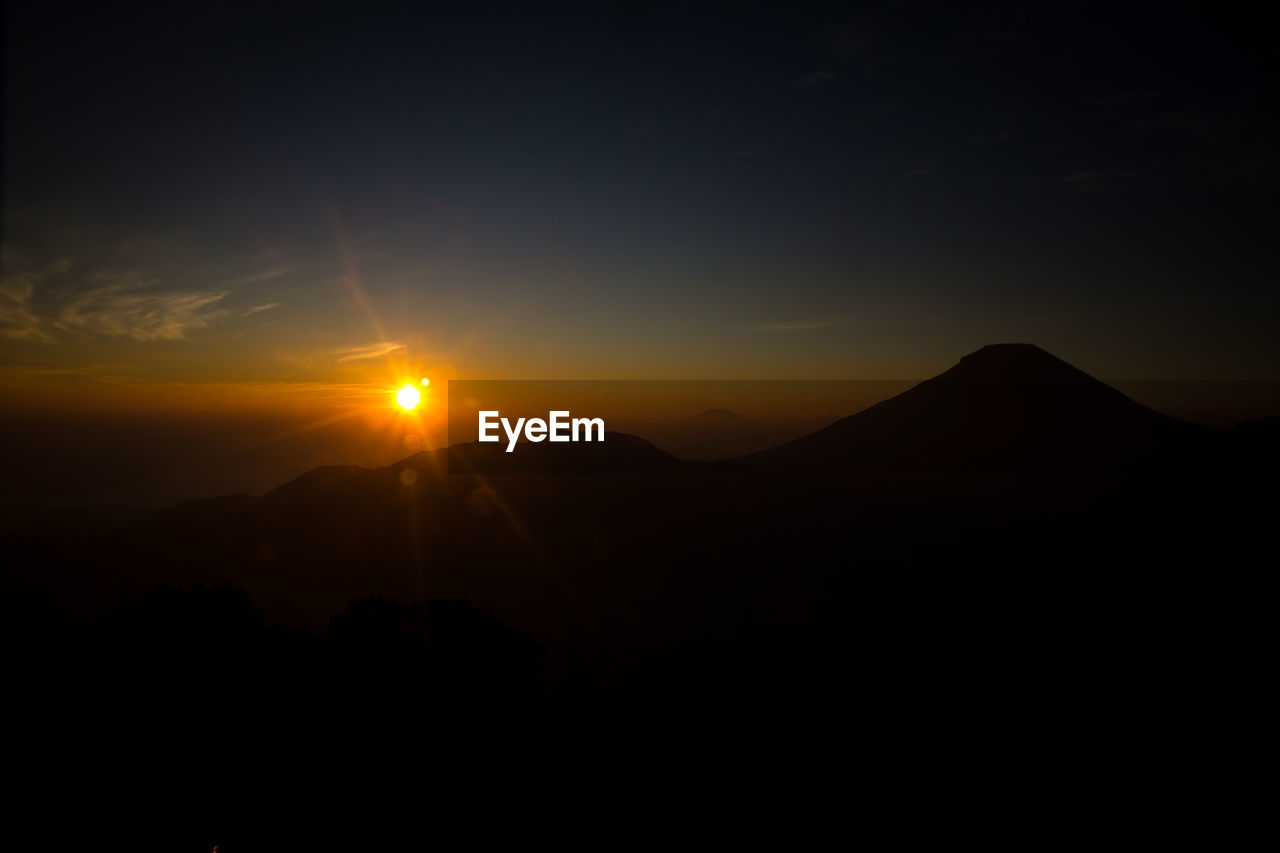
[1268,428]
[1007,409]
[716,416]
[619,453]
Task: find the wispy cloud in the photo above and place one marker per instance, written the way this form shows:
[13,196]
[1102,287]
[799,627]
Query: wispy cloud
[373,350]
[19,320]
[41,304]
[264,275]
[255,309]
[127,307]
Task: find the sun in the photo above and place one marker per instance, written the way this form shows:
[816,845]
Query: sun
[408,397]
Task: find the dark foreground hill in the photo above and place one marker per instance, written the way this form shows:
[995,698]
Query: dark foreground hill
[618,453]
[1005,410]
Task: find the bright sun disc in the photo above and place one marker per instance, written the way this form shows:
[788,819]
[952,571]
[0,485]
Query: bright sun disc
[408,397]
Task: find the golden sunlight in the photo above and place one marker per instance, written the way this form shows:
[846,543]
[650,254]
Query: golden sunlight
[408,397]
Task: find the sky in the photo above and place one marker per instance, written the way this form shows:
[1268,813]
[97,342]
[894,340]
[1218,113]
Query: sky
[277,204]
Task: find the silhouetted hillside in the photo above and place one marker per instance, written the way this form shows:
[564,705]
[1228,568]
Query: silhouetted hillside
[1007,409]
[619,453]
[716,416]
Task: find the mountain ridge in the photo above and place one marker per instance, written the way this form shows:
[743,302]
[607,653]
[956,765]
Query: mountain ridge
[1003,409]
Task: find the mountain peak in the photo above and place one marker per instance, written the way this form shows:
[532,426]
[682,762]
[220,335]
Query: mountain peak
[1013,362]
[1006,409]
[716,416]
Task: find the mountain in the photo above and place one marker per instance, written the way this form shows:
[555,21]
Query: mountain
[1006,409]
[619,453]
[716,416]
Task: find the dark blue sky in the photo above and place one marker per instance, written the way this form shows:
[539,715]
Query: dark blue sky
[264,192]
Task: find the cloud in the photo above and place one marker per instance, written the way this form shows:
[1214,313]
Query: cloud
[265,275]
[373,350]
[41,302]
[125,308]
[17,321]
[305,362]
[18,318]
[38,303]
[255,309]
